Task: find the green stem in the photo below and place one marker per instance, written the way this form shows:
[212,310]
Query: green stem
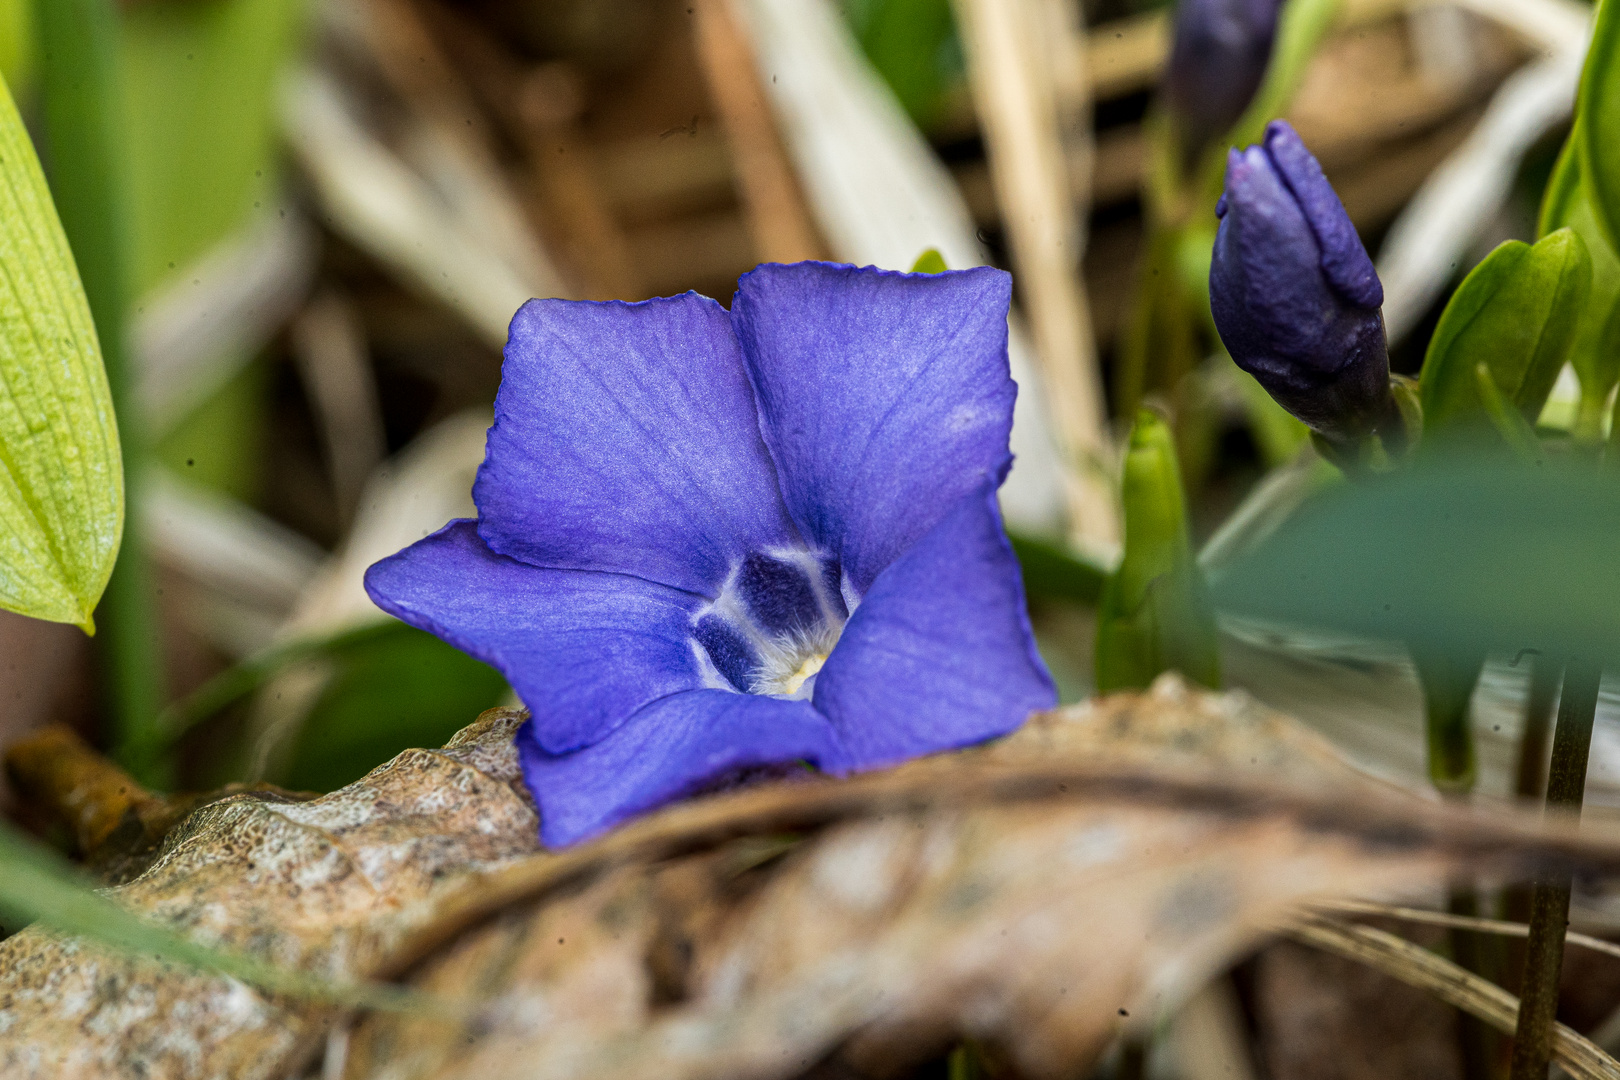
[1545,674]
[1549,897]
[79,46]
[1448,685]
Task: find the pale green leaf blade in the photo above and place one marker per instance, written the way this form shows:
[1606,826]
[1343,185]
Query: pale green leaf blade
[61,479]
[1518,312]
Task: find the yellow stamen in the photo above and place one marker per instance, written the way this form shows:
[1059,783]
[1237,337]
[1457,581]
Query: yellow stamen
[811,665]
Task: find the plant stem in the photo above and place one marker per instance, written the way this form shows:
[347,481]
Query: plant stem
[1546,672]
[1472,952]
[79,47]
[1549,897]
[1448,686]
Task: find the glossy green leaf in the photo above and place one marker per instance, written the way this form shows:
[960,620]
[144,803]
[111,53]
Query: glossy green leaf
[1517,312]
[1155,614]
[36,884]
[1466,556]
[1597,120]
[61,480]
[1596,352]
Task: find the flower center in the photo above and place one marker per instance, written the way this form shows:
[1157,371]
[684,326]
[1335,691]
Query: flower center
[807,671]
[773,625]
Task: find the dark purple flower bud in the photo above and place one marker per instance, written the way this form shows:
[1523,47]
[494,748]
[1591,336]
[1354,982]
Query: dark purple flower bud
[1295,297]
[1217,60]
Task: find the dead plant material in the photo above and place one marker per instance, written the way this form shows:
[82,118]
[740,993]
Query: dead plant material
[1416,966]
[1038,895]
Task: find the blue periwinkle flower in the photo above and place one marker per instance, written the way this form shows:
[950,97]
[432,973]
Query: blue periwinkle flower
[1295,296]
[716,543]
[1218,58]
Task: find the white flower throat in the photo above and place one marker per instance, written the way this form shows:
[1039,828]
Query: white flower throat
[773,625]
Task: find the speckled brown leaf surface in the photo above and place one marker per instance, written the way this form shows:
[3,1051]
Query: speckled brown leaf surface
[1037,894]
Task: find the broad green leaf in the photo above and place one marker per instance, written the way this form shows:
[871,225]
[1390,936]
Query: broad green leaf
[200,117]
[391,690]
[200,113]
[1054,572]
[37,885]
[1155,614]
[1516,312]
[61,479]
[17,44]
[1597,120]
[1596,352]
[929,262]
[392,687]
[1466,556]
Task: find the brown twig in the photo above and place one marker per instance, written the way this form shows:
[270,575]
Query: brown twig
[1418,967]
[778,217]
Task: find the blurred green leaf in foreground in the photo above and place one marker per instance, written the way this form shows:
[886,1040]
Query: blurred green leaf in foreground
[61,481]
[1468,556]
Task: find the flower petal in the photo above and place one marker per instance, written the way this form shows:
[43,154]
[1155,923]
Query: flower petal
[583,650]
[626,440]
[883,397]
[940,653]
[675,746]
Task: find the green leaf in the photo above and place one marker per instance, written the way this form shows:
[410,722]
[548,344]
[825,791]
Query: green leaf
[1155,614]
[1596,352]
[200,113]
[1516,312]
[1509,422]
[1054,572]
[17,44]
[913,46]
[36,884]
[1597,120]
[390,690]
[929,262]
[1467,556]
[391,687]
[1448,682]
[61,480]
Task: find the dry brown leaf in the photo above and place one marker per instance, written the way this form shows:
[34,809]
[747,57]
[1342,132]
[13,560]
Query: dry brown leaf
[1101,862]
